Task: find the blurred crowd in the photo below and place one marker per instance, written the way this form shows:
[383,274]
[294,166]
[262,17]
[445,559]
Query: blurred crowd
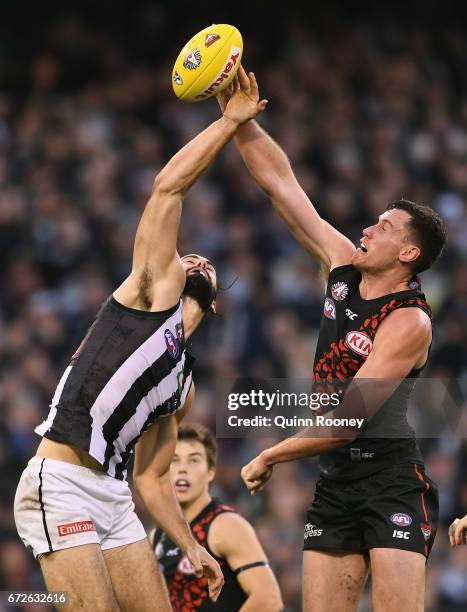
[367,112]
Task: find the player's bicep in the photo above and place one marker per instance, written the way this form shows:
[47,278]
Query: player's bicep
[156,237]
[155,449]
[401,344]
[234,539]
[316,235]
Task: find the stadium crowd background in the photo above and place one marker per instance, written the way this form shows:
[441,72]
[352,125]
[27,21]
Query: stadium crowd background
[369,107]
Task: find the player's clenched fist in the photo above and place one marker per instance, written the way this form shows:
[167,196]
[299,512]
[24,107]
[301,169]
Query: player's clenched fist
[458,531]
[256,473]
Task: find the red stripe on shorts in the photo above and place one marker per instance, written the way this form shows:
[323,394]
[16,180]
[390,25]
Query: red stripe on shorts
[422,495]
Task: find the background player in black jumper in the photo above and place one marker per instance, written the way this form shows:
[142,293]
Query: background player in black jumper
[123,387]
[373,498]
[249,583]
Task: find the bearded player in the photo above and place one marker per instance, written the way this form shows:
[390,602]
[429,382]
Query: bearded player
[373,502]
[122,389]
[229,538]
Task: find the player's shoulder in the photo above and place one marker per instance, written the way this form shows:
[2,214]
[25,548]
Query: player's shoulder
[230,525]
[408,323]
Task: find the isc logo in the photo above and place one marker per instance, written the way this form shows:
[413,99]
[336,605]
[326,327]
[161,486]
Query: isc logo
[402,535]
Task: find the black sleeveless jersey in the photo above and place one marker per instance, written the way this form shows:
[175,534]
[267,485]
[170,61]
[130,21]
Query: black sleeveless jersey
[187,592]
[130,370]
[348,328]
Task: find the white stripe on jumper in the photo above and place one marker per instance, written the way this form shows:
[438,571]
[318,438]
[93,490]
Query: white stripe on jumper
[122,380]
[47,424]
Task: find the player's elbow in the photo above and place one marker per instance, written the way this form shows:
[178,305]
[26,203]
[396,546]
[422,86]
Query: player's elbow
[268,601]
[164,184]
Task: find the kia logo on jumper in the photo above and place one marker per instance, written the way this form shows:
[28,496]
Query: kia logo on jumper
[401,519]
[359,343]
[329,309]
[171,343]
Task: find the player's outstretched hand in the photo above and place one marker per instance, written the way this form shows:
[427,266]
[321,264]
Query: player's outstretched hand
[206,566]
[240,101]
[256,474]
[458,531]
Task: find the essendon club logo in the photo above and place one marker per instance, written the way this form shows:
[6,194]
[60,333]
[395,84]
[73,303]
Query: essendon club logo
[185,566]
[210,39]
[223,74]
[74,528]
[339,291]
[359,343]
[426,530]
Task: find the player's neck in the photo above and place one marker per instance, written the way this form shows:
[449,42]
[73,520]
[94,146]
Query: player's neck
[375,285]
[192,510]
[192,315]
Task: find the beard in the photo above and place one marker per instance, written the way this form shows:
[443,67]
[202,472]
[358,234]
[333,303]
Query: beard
[198,287]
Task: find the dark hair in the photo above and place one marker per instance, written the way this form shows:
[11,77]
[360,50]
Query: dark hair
[194,431]
[427,230]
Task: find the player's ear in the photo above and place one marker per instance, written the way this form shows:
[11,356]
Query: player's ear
[409,253]
[211,474]
[213,307]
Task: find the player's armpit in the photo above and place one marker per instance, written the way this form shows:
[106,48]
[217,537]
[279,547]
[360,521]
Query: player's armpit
[232,538]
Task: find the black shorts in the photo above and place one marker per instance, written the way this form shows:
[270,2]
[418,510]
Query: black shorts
[394,508]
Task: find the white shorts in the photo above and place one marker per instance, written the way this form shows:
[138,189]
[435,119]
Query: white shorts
[60,505]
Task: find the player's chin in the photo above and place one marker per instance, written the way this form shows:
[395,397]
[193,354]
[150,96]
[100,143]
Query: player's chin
[361,261]
[201,289]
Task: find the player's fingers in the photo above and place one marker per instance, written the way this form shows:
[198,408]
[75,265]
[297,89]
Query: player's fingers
[451,540]
[458,534]
[262,105]
[235,84]
[243,78]
[215,581]
[253,82]
[195,560]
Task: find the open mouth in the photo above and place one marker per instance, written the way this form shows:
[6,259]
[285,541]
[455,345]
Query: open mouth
[182,485]
[201,271]
[363,247]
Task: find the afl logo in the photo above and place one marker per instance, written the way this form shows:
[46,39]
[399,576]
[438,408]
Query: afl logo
[359,343]
[171,343]
[329,309]
[185,566]
[339,291]
[401,519]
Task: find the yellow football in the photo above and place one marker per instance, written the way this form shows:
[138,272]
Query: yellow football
[207,63]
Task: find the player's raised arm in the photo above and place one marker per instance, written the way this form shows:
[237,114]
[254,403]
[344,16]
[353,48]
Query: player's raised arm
[271,169]
[155,255]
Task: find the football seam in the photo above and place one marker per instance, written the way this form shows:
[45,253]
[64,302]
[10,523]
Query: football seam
[212,59]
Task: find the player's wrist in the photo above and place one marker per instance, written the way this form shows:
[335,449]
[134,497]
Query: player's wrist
[230,123]
[267,457]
